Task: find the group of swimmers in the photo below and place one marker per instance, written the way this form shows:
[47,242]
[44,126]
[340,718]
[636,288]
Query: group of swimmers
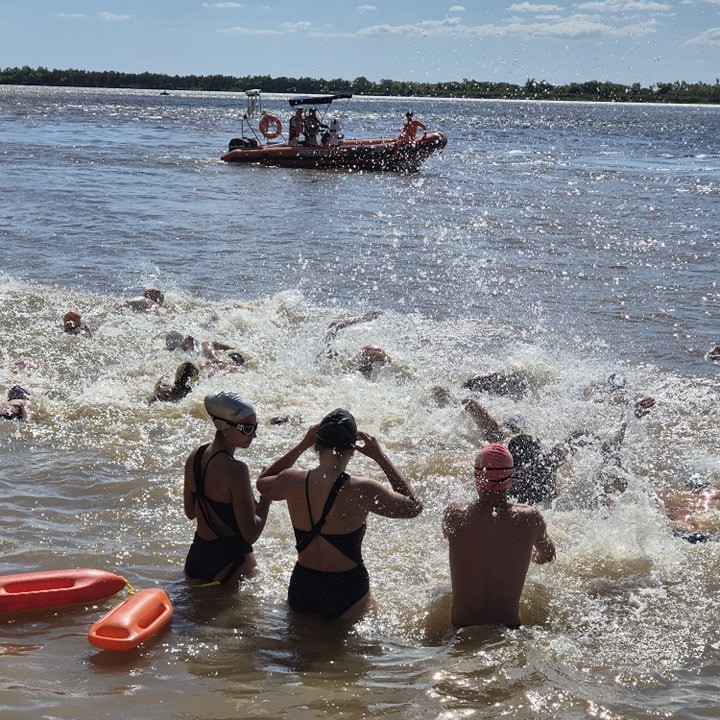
[328,508]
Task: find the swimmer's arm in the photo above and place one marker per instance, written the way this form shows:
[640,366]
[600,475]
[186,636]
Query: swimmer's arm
[543,548]
[487,425]
[277,487]
[401,501]
[250,515]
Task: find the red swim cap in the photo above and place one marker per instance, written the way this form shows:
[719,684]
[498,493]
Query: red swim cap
[493,468]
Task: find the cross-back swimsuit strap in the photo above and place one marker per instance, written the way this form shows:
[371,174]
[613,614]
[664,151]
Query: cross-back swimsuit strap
[349,544]
[309,535]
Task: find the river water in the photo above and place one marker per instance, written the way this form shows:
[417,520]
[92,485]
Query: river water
[564,242]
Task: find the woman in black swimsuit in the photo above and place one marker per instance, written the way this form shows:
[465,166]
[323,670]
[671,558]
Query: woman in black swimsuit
[219,496]
[328,509]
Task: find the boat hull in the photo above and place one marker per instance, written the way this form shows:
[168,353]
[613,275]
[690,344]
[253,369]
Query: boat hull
[133,621]
[377,155]
[54,588]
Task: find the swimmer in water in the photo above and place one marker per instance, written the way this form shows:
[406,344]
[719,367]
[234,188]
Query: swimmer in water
[151,299]
[509,383]
[694,514]
[613,392]
[73,324]
[219,355]
[491,543]
[536,469]
[186,375]
[18,405]
[370,357]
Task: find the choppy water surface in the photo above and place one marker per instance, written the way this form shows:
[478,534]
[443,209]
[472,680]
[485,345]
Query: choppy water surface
[563,241]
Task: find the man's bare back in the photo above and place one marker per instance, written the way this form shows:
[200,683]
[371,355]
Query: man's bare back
[492,542]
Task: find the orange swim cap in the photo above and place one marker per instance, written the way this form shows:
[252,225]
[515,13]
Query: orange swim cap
[71,320]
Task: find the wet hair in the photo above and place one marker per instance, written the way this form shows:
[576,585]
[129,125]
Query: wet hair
[337,430]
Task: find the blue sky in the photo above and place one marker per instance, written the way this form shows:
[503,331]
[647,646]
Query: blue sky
[624,41]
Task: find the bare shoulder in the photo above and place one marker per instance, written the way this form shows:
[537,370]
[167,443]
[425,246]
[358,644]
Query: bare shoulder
[454,517]
[527,513]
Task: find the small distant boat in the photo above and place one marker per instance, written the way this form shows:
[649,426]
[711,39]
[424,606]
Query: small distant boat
[164,92]
[404,153]
[54,588]
[133,621]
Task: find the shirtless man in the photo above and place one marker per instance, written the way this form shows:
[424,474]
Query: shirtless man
[492,541]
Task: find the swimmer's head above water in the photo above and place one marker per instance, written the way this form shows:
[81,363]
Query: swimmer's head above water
[337,431]
[228,409]
[493,469]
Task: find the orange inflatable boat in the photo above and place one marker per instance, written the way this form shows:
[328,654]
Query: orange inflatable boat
[53,588]
[132,621]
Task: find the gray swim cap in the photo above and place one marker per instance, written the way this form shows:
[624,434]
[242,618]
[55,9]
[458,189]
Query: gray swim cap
[227,407]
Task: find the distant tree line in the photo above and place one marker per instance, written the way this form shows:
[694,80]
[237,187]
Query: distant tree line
[670,92]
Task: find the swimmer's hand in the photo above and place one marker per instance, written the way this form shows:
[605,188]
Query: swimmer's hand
[370,446]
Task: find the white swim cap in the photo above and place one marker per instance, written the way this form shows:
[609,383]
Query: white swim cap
[227,407]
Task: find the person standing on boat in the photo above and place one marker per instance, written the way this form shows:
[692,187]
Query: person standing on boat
[312,127]
[328,508]
[492,541]
[296,127]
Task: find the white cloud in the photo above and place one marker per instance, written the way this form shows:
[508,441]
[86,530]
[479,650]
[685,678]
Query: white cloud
[423,27]
[225,5]
[366,8]
[300,25]
[456,9]
[547,25]
[532,7]
[709,38]
[252,31]
[625,6]
[111,17]
[71,16]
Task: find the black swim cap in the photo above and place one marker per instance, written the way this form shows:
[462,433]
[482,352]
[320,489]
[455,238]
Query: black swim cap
[337,430]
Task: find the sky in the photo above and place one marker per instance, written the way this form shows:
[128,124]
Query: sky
[622,41]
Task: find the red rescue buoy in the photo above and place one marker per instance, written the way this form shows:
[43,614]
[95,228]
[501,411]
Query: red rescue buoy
[133,621]
[53,588]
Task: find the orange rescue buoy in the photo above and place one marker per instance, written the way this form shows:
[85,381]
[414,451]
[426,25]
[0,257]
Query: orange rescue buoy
[133,621]
[270,126]
[52,588]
